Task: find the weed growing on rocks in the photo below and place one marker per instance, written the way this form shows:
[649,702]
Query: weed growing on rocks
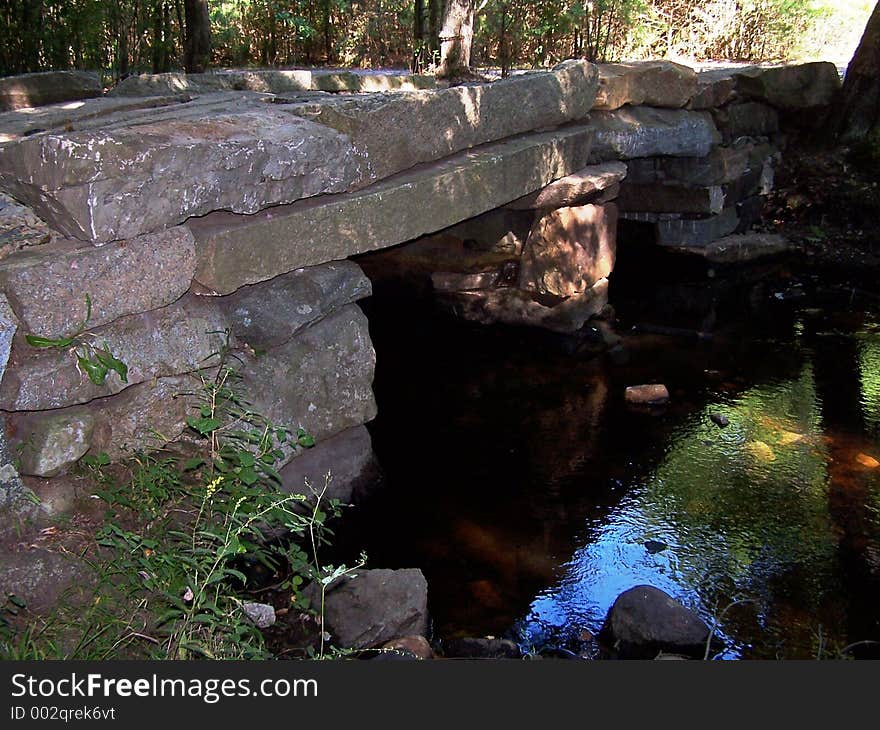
[185,531]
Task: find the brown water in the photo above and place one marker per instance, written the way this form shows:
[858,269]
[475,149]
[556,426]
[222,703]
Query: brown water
[525,489]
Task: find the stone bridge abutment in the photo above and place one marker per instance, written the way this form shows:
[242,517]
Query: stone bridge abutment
[217,211]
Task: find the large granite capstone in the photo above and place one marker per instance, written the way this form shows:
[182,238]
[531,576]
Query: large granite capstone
[236,250]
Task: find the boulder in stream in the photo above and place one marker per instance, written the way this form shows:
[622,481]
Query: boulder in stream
[644,621]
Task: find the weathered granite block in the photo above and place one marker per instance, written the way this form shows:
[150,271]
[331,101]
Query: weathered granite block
[47,285]
[173,340]
[574,189]
[235,250]
[320,380]
[393,132]
[346,458]
[747,119]
[268,314]
[569,250]
[649,83]
[666,198]
[646,132]
[135,177]
[48,87]
[696,231]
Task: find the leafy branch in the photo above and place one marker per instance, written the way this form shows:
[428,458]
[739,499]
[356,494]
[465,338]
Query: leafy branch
[94,361]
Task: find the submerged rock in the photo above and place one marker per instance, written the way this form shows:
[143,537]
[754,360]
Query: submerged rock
[652,394]
[644,621]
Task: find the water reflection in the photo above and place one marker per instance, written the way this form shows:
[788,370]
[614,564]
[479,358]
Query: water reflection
[526,491]
[748,517]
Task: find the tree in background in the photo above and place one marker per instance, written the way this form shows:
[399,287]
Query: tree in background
[197,41]
[124,36]
[456,38]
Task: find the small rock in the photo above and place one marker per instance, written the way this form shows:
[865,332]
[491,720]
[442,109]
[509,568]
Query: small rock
[477,648]
[653,394]
[655,546]
[262,614]
[719,420]
[407,647]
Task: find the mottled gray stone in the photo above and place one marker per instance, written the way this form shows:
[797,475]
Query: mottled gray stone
[262,614]
[48,285]
[235,250]
[713,91]
[375,606]
[273,81]
[50,444]
[574,189]
[665,198]
[48,87]
[347,458]
[144,417]
[646,132]
[648,83]
[741,247]
[361,81]
[40,577]
[19,227]
[173,340]
[393,132]
[791,87]
[86,114]
[722,165]
[320,380]
[696,231]
[123,180]
[267,314]
[746,119]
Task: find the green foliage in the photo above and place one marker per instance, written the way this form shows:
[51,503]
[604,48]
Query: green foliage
[125,36]
[96,361]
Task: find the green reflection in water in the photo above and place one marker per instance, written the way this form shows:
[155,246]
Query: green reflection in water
[869,370]
[746,507]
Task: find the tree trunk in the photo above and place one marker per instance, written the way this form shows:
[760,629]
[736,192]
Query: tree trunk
[857,115]
[161,55]
[197,44]
[456,36]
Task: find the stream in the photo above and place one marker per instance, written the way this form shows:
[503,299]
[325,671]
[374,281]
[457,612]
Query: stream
[531,495]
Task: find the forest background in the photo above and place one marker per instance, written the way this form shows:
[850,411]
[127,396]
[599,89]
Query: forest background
[120,37]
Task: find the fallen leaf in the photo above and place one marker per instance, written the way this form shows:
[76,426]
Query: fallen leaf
[761,451]
[790,437]
[868,461]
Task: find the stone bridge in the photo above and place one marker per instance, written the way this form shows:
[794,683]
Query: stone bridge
[190,206]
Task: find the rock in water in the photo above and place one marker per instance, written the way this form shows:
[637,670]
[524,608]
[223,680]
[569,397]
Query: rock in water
[655,546]
[645,621]
[653,394]
[719,420]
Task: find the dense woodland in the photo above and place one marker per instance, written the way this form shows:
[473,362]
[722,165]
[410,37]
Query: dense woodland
[126,36]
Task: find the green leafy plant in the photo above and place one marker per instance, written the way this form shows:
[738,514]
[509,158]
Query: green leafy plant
[94,360]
